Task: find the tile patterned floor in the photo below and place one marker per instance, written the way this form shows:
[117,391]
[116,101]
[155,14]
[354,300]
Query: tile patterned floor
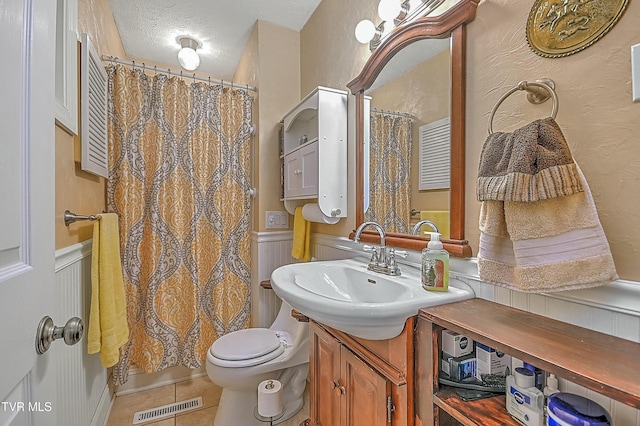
[125,406]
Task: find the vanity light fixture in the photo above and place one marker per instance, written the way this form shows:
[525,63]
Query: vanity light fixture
[392,13]
[366,31]
[187,56]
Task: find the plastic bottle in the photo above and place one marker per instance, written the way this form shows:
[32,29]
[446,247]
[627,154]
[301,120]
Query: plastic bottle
[552,385]
[550,388]
[435,265]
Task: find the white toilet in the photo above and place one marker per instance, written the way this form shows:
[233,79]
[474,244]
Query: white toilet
[239,361]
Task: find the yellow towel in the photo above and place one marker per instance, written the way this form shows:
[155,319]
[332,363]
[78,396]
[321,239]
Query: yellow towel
[440,218]
[301,236]
[108,329]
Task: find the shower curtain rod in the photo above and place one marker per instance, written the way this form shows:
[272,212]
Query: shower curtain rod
[400,114]
[179,74]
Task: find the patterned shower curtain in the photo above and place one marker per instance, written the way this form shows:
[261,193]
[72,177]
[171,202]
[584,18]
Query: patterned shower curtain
[179,155]
[389,172]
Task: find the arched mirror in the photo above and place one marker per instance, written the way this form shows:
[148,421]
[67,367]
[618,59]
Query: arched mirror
[411,92]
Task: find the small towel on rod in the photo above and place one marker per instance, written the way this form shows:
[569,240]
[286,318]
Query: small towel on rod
[301,237]
[530,164]
[108,329]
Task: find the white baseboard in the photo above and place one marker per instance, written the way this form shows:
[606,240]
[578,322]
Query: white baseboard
[104,408]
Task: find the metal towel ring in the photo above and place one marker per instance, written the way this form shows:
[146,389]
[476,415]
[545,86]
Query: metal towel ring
[539,91]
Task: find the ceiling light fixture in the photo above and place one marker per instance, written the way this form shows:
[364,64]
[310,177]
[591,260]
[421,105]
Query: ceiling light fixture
[187,56]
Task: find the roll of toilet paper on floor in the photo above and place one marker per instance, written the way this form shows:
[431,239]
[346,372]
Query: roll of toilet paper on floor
[270,398]
[312,213]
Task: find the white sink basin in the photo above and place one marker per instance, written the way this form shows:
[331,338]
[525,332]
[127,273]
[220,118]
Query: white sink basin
[344,295]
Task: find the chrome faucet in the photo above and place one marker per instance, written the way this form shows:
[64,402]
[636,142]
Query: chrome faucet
[383,257]
[418,225]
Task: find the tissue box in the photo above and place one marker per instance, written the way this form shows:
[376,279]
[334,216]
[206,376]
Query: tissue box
[456,344]
[490,361]
[458,368]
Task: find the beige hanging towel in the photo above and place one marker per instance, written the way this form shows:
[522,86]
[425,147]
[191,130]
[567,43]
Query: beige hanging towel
[552,244]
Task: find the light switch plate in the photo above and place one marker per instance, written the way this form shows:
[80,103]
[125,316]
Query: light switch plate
[635,72]
[277,220]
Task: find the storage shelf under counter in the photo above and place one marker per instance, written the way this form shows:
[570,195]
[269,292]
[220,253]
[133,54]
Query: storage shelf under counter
[594,360]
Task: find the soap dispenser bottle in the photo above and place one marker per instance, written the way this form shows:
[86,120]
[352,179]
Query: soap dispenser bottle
[435,265]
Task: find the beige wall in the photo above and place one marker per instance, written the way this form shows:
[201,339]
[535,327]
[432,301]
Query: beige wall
[78,191]
[331,56]
[596,113]
[278,92]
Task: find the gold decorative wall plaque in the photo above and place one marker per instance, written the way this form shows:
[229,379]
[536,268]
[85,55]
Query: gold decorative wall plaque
[558,28]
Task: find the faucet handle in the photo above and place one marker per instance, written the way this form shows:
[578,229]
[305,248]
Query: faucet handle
[375,257]
[401,253]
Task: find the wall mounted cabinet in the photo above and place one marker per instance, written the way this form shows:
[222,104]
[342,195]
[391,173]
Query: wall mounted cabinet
[314,152]
[66,72]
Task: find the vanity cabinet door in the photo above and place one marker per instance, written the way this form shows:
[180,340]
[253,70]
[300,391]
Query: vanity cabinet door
[345,391]
[365,393]
[324,374]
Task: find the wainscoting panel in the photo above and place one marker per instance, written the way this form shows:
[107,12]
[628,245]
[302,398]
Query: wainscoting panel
[270,250]
[613,309]
[81,381]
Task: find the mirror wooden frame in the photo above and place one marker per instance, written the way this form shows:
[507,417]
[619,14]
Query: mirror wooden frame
[449,24]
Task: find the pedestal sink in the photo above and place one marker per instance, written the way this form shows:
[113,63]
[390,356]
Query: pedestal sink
[344,295]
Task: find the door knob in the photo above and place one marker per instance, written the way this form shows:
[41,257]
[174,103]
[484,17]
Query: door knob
[47,332]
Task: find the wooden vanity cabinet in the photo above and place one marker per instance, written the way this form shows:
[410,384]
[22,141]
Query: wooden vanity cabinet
[358,382]
[597,361]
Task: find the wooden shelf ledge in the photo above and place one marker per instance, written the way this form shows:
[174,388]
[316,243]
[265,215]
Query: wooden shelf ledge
[603,363]
[266,285]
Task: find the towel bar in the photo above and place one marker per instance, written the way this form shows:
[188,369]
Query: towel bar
[70,217]
[539,91]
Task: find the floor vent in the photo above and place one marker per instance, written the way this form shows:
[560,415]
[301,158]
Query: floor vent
[167,410]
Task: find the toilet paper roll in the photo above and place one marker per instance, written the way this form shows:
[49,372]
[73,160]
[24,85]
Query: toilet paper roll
[270,398]
[312,213]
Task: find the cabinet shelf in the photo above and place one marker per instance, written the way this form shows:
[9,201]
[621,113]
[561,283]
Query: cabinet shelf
[309,142]
[594,360]
[486,411]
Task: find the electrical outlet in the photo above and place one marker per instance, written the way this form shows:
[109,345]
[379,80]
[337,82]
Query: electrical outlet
[277,220]
[635,72]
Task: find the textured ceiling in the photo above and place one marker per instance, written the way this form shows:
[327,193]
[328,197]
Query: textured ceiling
[149,29]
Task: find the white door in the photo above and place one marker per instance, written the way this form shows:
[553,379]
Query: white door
[26,208]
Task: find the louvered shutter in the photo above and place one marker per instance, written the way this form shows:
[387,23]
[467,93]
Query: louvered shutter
[93,88]
[435,155]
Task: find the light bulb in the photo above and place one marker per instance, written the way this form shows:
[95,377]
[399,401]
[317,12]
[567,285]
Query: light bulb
[187,55]
[365,31]
[388,10]
[188,58]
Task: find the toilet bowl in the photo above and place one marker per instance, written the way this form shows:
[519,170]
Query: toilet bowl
[239,361]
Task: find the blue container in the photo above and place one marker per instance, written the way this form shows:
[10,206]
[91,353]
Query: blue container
[567,409]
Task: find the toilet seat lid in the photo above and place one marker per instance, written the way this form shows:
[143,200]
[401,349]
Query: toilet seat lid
[246,344]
